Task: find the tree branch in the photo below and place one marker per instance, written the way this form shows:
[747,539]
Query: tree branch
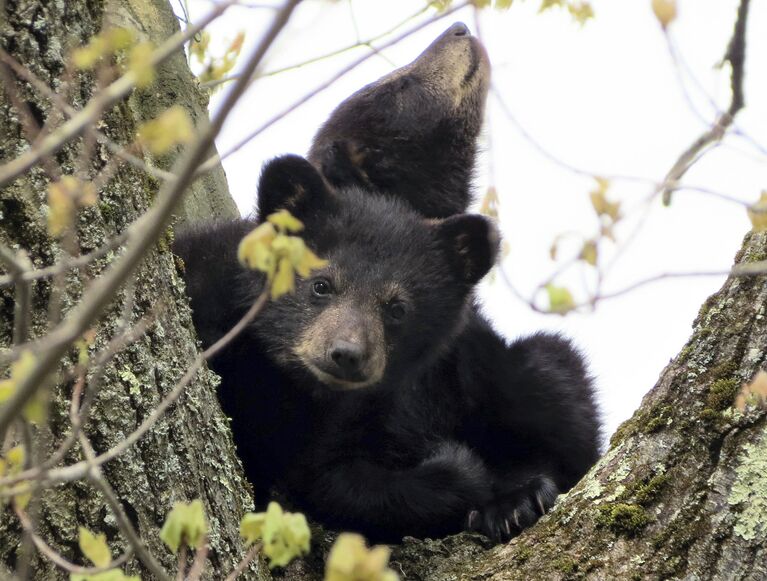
[736,55]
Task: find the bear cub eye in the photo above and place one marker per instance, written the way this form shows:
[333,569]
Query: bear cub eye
[321,288]
[395,310]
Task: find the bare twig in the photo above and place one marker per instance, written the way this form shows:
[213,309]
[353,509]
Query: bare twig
[60,561]
[77,470]
[68,262]
[736,55]
[18,266]
[123,522]
[198,565]
[242,565]
[359,44]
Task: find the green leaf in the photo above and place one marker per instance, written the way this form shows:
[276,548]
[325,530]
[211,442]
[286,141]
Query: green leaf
[757,213]
[140,64]
[94,547]
[589,252]
[560,299]
[351,560]
[185,524]
[285,221]
[285,535]
[285,280]
[172,127]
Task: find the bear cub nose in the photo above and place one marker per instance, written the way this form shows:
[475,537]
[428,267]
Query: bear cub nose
[459,29]
[348,356]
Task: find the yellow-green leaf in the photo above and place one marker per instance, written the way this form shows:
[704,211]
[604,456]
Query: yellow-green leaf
[199,48]
[252,527]
[560,299]
[351,560]
[757,213]
[20,370]
[94,547]
[589,252]
[185,524]
[284,220]
[603,206]
[140,64]
[309,261]
[665,11]
[285,535]
[64,196]
[172,127]
[285,279]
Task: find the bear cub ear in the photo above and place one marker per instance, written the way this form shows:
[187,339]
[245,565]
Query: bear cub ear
[291,183]
[471,243]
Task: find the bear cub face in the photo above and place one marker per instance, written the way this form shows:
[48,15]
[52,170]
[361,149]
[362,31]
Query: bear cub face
[412,134]
[368,317]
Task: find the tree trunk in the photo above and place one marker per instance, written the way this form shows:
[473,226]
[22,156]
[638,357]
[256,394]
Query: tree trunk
[189,453]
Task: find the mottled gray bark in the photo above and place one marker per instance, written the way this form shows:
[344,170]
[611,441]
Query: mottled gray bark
[189,454]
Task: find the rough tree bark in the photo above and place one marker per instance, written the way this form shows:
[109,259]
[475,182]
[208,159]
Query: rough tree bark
[189,454]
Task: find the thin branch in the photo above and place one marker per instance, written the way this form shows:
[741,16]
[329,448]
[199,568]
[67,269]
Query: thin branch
[359,44]
[736,55]
[76,471]
[198,565]
[69,262]
[123,522]
[242,565]
[142,236]
[18,266]
[60,561]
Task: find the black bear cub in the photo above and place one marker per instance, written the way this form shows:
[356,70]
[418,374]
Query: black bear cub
[413,133]
[373,397]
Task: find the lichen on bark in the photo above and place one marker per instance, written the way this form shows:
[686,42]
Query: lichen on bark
[189,454]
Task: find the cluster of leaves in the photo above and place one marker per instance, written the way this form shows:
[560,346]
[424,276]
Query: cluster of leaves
[270,249]
[95,548]
[185,525]
[284,535]
[111,42]
[215,68]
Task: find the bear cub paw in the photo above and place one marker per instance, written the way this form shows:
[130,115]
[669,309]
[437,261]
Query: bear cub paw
[514,508]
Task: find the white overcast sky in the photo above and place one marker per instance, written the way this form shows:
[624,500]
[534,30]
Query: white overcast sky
[605,98]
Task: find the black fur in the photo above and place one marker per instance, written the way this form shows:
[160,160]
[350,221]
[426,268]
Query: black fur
[412,134]
[461,431]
